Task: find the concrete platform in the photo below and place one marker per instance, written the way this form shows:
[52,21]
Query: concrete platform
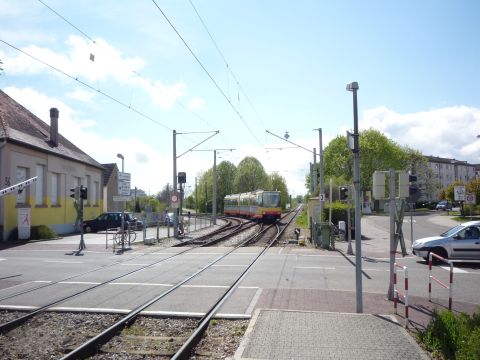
[280,334]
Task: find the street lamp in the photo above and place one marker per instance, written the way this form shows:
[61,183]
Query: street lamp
[120,156]
[353,87]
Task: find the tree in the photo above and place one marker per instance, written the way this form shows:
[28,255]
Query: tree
[278,183]
[250,175]
[225,182]
[377,153]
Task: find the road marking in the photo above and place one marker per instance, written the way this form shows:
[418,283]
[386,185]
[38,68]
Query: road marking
[79,282]
[455,270]
[63,261]
[206,286]
[135,264]
[3,259]
[229,265]
[314,267]
[254,301]
[42,281]
[140,284]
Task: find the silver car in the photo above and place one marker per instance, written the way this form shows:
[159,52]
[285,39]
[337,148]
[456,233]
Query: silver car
[460,242]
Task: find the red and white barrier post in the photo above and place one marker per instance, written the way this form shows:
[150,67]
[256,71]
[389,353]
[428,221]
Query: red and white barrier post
[396,293]
[431,277]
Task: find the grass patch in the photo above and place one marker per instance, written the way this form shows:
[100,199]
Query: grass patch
[453,336]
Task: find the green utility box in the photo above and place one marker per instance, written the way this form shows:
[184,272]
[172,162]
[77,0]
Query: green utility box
[324,235]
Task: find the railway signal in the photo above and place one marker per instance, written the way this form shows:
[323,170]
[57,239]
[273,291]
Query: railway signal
[343,192]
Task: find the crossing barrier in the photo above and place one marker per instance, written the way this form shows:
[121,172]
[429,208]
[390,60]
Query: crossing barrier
[431,277]
[397,294]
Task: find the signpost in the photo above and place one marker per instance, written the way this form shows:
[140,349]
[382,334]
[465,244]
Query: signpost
[175,200]
[459,193]
[124,183]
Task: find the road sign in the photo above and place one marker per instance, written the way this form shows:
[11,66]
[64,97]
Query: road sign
[322,197]
[175,200]
[470,198]
[459,193]
[121,198]
[124,184]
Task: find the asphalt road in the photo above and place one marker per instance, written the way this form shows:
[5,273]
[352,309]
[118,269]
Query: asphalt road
[293,268]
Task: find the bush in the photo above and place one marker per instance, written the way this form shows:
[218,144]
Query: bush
[339,212]
[36,233]
[453,336]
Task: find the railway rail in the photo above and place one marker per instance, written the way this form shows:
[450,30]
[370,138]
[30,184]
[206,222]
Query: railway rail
[93,344]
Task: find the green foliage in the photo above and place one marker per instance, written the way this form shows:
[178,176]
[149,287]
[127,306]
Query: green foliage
[39,232]
[377,153]
[301,220]
[339,212]
[454,336]
[250,175]
[278,183]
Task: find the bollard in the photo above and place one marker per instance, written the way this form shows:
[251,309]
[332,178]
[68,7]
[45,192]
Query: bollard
[396,292]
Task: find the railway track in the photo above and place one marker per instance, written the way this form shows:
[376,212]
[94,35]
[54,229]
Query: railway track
[96,342]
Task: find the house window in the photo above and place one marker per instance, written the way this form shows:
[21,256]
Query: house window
[54,190]
[89,189]
[39,185]
[94,193]
[21,175]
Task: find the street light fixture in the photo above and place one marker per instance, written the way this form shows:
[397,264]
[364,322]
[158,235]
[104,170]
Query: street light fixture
[353,87]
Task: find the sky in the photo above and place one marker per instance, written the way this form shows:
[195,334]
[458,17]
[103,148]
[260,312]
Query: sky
[125,74]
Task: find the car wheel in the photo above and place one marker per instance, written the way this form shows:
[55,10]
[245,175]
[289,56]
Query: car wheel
[440,252]
[88,229]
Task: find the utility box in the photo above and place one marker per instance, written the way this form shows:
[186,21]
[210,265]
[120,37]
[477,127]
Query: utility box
[324,234]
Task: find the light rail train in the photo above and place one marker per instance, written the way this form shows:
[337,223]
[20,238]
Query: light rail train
[259,205]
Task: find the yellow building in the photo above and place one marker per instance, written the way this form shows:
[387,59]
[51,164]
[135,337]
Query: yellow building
[30,147]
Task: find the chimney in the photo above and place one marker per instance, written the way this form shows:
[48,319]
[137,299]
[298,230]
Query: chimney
[54,126]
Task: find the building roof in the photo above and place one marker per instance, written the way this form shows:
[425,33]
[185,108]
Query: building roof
[107,173]
[437,159]
[18,125]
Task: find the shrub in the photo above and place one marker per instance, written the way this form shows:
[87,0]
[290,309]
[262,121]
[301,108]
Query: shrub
[339,212]
[453,336]
[36,233]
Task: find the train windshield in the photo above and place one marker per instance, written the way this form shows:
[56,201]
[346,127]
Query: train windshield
[271,199]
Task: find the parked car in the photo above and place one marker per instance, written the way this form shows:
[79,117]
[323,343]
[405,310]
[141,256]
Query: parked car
[169,219]
[460,242]
[444,205]
[111,220]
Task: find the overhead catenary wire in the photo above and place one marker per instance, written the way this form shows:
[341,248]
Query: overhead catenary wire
[226,62]
[137,73]
[239,115]
[87,85]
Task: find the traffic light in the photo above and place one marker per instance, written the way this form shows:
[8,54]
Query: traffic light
[413,190]
[343,192]
[83,192]
[182,178]
[75,193]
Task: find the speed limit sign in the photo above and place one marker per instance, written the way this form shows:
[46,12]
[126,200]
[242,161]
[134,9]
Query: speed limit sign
[174,200]
[470,199]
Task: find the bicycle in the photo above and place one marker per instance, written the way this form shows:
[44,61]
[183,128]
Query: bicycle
[130,235]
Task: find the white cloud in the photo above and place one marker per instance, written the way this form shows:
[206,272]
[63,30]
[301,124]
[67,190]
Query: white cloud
[447,132]
[108,64]
[144,162]
[81,95]
[196,103]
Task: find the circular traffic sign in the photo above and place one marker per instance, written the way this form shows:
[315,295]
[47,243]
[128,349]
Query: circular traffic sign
[174,198]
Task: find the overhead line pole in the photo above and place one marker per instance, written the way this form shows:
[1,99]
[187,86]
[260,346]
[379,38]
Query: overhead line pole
[175,157]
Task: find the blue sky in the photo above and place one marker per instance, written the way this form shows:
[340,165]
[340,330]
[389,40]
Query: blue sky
[416,63]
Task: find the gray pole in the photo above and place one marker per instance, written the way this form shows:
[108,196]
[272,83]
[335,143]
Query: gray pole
[392,210]
[349,232]
[314,172]
[123,214]
[320,161]
[196,198]
[214,192]
[356,183]
[175,213]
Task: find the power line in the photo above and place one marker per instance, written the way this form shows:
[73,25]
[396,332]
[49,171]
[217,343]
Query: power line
[87,85]
[206,71]
[226,62]
[132,70]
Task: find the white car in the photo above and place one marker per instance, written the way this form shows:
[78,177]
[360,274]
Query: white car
[460,242]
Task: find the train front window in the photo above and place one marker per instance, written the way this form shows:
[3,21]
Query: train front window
[271,199]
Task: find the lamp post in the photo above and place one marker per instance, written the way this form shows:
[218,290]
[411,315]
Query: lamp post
[120,156]
[353,87]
